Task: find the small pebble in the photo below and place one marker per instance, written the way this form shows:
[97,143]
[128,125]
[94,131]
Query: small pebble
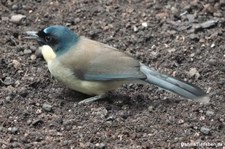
[47,107]
[209,23]
[23,92]
[194,72]
[16,144]
[194,37]
[209,8]
[15,6]
[29,122]
[209,113]
[1,128]
[180,121]
[150,108]
[13,130]
[28,145]
[100,145]
[162,15]
[144,24]
[192,55]
[110,118]
[16,64]
[135,29]
[190,17]
[33,57]
[26,51]
[87,145]
[33,48]
[171,50]
[221,82]
[5,18]
[17,18]
[202,118]
[37,122]
[102,112]
[154,54]
[8,81]
[213,45]
[38,53]
[8,99]
[205,130]
[76,20]
[67,142]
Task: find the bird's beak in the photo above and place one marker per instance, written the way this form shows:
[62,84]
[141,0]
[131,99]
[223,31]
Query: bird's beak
[34,35]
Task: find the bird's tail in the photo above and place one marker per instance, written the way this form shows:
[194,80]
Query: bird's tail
[174,85]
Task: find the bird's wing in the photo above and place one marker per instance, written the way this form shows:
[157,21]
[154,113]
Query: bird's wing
[94,61]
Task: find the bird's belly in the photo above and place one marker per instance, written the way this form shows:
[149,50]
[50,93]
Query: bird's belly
[66,76]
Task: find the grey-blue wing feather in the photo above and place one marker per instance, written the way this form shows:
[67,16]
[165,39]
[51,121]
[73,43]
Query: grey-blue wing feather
[113,65]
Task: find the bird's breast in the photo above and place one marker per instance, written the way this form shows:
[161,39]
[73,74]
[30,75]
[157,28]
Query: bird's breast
[67,77]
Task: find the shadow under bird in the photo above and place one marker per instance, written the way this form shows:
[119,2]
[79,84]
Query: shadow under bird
[94,68]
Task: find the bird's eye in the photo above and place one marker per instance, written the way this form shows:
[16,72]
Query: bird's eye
[48,39]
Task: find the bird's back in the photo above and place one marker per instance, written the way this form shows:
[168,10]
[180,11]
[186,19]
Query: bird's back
[94,61]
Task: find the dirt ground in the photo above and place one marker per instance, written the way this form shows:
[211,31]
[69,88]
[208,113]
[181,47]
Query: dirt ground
[184,39]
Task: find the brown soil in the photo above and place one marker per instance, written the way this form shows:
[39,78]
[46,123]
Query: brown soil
[36,111]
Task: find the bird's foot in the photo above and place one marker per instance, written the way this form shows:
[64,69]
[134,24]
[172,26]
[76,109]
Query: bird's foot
[91,99]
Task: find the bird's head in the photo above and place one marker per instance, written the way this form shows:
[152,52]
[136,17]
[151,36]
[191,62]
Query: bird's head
[59,38]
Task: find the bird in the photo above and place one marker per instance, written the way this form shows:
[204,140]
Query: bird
[95,68]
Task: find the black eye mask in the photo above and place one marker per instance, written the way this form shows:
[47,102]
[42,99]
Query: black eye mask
[48,38]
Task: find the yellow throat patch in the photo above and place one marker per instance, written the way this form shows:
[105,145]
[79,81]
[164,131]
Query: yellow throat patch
[48,53]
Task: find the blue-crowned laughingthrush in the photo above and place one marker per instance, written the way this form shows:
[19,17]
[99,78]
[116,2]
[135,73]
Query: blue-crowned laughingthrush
[95,68]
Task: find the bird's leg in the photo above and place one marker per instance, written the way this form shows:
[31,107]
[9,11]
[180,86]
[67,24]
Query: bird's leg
[91,99]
